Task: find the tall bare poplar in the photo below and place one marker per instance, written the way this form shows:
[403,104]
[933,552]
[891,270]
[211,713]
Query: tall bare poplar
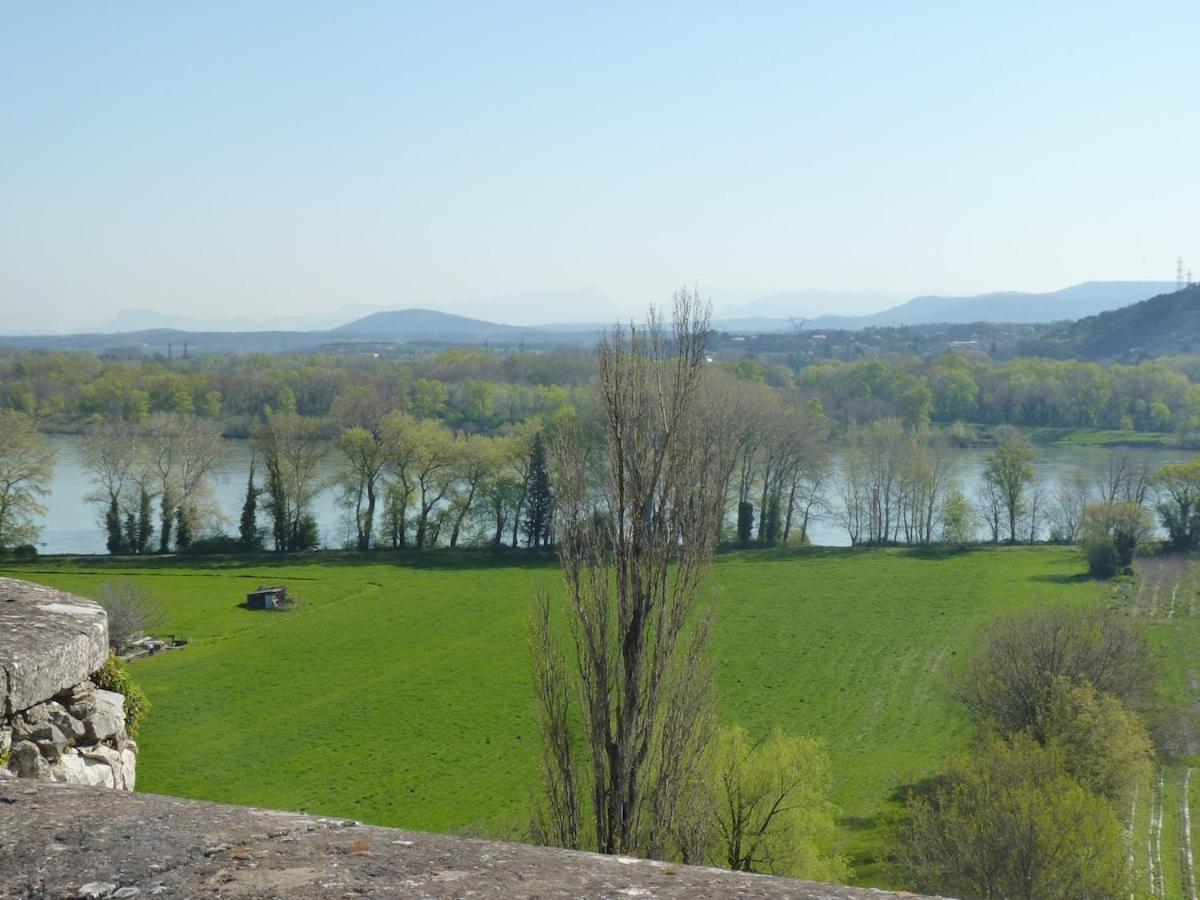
[635,540]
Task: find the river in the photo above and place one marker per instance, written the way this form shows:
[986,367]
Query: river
[72,524]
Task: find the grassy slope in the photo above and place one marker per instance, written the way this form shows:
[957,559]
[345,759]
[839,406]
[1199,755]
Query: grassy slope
[398,693]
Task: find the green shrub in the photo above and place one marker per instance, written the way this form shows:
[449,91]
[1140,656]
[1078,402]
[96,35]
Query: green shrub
[1102,557]
[114,676]
[25,551]
[214,545]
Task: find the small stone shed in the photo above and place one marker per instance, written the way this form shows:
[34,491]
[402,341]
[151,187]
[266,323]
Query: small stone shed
[268,598]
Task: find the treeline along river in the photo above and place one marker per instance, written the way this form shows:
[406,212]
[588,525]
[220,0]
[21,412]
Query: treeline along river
[72,524]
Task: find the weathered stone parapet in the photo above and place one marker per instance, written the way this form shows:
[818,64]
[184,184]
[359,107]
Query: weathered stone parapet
[59,840]
[54,723]
[49,641]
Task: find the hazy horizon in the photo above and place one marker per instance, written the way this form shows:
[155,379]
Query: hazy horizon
[537,163]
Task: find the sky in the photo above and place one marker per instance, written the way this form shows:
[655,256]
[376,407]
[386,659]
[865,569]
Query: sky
[564,161]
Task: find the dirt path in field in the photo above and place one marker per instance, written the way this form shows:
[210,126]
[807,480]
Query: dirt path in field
[1189,865]
[1167,588]
[1154,841]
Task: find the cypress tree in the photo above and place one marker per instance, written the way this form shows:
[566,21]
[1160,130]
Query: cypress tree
[131,534]
[771,521]
[167,515]
[539,496]
[279,508]
[248,534]
[183,529]
[145,527]
[745,522]
[112,524]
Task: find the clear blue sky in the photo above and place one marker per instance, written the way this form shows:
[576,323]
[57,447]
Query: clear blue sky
[254,158]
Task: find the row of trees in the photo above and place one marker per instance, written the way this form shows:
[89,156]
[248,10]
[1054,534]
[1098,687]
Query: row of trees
[479,390]
[1026,392]
[403,481]
[898,485]
[474,390]
[153,480]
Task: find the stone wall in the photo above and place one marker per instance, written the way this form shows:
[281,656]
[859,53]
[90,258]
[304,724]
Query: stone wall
[55,724]
[63,840]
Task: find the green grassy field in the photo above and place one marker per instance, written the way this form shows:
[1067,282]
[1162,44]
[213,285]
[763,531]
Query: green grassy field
[398,692]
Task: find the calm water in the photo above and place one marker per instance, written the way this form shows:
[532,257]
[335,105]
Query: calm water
[72,525]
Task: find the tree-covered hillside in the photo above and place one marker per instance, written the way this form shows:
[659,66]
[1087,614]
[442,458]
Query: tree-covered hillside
[1166,325]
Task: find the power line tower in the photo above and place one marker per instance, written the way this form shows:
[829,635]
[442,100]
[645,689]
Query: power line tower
[1180,284]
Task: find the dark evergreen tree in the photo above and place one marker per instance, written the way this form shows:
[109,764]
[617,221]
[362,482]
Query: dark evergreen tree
[145,525]
[307,536]
[183,529]
[112,524]
[167,517]
[771,522]
[278,505]
[131,534]
[745,522]
[249,537]
[539,497]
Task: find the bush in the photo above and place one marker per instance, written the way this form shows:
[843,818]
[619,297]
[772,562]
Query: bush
[308,536]
[1111,533]
[1103,561]
[25,551]
[217,545]
[114,676]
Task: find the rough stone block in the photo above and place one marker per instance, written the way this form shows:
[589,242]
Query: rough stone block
[27,761]
[90,767]
[49,641]
[107,718]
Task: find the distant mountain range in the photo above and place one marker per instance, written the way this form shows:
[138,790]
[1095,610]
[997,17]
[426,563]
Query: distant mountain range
[1074,302]
[431,326]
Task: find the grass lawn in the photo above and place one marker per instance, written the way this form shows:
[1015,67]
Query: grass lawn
[398,692]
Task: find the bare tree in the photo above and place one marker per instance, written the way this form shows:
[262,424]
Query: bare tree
[1010,683]
[1009,474]
[359,479]
[132,612]
[635,550]
[183,454]
[475,458]
[925,477]
[292,452]
[854,494]
[1071,496]
[989,505]
[1124,479]
[109,455]
[26,467]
